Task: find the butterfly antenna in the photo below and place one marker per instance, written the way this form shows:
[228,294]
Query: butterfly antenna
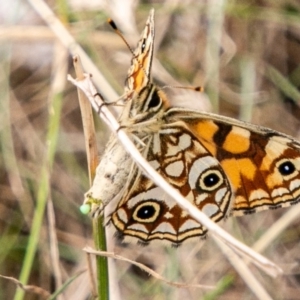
[119,33]
[192,88]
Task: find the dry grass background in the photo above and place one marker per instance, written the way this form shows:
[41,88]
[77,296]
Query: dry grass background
[245,53]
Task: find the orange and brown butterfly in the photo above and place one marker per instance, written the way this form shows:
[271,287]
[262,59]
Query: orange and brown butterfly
[221,165]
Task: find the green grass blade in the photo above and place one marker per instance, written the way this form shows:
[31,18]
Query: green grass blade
[42,195]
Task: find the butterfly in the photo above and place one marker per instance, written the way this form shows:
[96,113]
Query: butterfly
[221,165]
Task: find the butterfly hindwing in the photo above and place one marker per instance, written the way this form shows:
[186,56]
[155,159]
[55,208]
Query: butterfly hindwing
[148,213]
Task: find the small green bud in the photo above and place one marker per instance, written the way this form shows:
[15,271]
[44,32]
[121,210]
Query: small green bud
[85,208]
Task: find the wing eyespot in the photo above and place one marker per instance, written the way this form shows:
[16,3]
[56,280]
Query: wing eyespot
[210,180]
[286,168]
[146,212]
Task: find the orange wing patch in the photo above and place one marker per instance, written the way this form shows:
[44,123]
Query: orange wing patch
[237,140]
[236,168]
[204,131]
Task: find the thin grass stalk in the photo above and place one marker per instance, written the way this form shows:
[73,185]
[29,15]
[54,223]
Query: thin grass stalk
[249,278]
[282,17]
[215,17]
[101,262]
[59,71]
[221,286]
[42,193]
[65,285]
[148,270]
[73,47]
[8,152]
[277,229]
[92,158]
[286,87]
[9,160]
[247,88]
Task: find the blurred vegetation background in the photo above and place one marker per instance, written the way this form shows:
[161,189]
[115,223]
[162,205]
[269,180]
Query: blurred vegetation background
[246,54]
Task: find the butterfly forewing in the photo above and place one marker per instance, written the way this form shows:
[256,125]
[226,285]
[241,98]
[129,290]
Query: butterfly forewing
[262,165]
[140,69]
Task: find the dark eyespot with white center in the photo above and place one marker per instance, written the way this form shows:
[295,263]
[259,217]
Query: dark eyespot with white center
[287,168]
[210,180]
[146,212]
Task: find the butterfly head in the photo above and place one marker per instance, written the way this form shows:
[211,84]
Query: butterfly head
[149,104]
